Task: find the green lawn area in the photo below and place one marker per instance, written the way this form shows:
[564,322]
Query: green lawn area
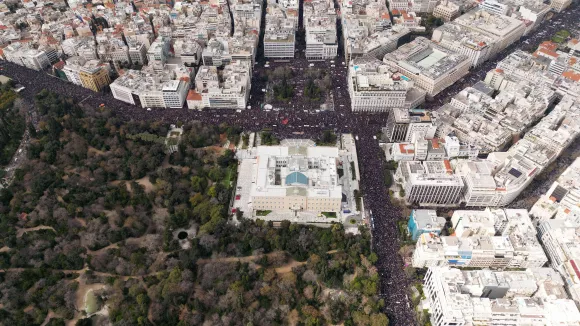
[561,36]
[90,302]
[352,171]
[228,178]
[262,213]
[329,214]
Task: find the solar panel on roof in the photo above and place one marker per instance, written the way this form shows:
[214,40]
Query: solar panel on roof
[559,193]
[515,173]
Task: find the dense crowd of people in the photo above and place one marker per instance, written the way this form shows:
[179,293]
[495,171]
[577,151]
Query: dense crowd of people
[301,123]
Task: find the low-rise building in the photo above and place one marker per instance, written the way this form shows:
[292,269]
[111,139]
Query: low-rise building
[424,221]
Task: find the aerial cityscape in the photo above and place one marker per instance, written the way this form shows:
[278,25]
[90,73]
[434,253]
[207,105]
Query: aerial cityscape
[290,162]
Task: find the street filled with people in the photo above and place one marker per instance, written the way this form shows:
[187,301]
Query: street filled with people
[301,122]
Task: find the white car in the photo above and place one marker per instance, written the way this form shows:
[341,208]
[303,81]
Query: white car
[374,137]
[356,137]
[148,109]
[240,111]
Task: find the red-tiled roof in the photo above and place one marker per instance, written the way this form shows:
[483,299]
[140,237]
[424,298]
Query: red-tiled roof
[435,143]
[548,52]
[404,150]
[572,75]
[447,166]
[59,65]
[193,96]
[549,45]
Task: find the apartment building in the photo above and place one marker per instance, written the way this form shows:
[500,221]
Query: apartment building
[225,88]
[562,198]
[475,251]
[151,90]
[560,5]
[137,51]
[534,296]
[447,10]
[320,25]
[279,36]
[113,50]
[561,241]
[158,52]
[479,34]
[25,56]
[321,40]
[403,124]
[419,6]
[94,75]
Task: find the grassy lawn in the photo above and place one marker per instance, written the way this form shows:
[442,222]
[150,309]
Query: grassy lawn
[90,302]
[352,171]
[262,213]
[228,178]
[329,214]
[352,221]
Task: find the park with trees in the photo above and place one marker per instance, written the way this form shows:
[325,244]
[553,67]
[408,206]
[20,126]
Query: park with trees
[95,211]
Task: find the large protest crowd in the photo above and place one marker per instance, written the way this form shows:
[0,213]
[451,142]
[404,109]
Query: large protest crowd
[301,123]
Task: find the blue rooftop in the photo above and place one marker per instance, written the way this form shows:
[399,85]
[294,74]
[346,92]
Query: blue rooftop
[296,178]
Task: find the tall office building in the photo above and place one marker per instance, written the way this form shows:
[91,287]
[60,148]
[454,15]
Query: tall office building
[431,66]
[430,183]
[373,87]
